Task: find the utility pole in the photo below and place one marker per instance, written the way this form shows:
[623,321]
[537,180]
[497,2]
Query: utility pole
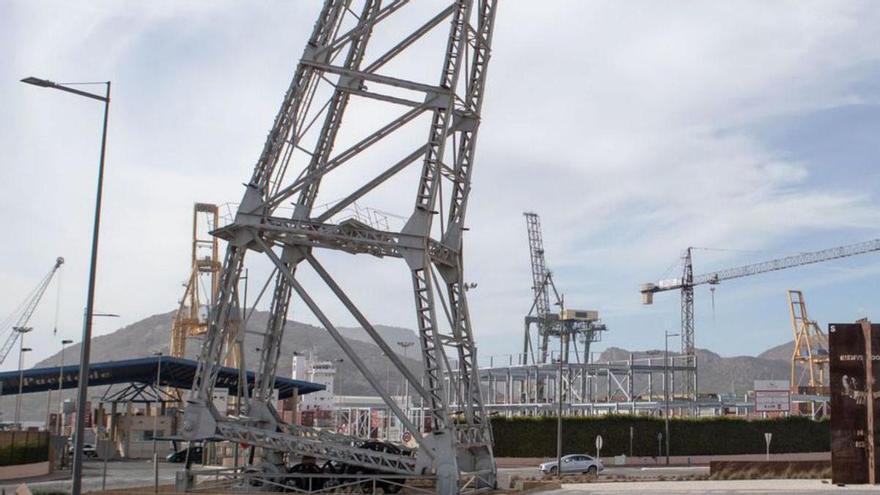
[869,402]
[559,416]
[64,342]
[156,424]
[21,350]
[406,409]
[666,388]
[83,386]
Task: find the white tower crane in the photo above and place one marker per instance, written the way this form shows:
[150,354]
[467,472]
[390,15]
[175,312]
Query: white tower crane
[688,281]
[19,318]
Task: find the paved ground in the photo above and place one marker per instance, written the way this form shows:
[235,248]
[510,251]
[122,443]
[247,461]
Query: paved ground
[120,474]
[696,460]
[750,487]
[631,472]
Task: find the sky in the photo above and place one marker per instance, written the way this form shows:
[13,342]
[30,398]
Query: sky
[635,129]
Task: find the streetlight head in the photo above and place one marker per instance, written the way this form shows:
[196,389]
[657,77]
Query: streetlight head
[26,349]
[43,83]
[66,341]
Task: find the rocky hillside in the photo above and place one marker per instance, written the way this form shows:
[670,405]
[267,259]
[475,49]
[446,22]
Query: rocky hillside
[716,374]
[152,334]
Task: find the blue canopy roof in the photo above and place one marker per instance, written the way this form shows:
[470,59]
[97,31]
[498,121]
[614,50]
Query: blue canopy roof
[175,372]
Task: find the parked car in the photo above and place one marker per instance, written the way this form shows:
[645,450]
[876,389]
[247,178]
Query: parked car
[195,455]
[574,463]
[89,450]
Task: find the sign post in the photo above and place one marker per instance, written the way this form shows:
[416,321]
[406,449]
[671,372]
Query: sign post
[631,441]
[659,445]
[598,446]
[767,438]
[772,396]
[869,396]
[105,449]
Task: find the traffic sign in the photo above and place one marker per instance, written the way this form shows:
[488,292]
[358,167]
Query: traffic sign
[772,396]
[598,442]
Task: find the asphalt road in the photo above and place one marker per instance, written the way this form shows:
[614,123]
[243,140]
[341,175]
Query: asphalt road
[630,472]
[120,474]
[750,487]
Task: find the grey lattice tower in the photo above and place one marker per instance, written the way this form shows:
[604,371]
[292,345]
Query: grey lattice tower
[356,65]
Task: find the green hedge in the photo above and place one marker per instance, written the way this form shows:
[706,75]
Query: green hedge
[23,454]
[23,447]
[536,436]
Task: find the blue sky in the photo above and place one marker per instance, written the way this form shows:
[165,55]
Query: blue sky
[634,129]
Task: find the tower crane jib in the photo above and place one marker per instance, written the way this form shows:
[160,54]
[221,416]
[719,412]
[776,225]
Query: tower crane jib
[19,319]
[688,281]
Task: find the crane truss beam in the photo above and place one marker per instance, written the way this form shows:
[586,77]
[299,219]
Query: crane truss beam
[773,265]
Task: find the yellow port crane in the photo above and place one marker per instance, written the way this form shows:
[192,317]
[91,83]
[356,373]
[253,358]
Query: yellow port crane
[810,348]
[191,317]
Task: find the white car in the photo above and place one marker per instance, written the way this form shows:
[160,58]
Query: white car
[574,463]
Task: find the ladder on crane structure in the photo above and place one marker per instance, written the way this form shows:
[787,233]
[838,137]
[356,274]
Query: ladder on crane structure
[16,324]
[337,82]
[809,359]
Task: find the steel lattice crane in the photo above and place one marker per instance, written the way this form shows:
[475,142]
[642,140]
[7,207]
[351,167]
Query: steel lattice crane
[201,287]
[18,320]
[339,76]
[570,326]
[810,347]
[688,281]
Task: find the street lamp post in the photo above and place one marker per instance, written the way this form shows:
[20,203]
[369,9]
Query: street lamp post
[83,385]
[21,350]
[64,342]
[156,425]
[406,345]
[559,416]
[666,387]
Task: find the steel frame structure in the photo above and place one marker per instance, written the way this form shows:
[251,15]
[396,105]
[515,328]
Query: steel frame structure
[548,323]
[513,386]
[458,450]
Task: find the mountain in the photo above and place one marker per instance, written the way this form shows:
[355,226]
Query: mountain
[781,352]
[716,374]
[151,334]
